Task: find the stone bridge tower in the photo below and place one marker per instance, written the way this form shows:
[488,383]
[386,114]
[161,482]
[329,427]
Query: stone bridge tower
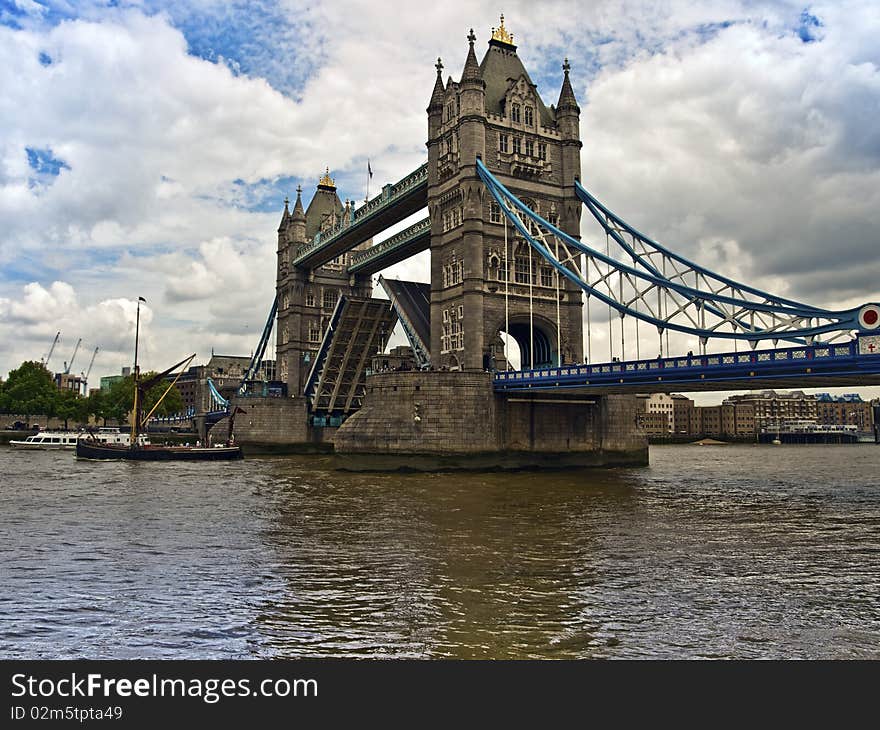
[479,285]
[307,297]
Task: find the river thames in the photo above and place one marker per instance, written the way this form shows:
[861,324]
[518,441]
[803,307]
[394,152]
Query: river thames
[710,552]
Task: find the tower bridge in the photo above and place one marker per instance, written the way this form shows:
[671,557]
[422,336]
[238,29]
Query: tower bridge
[503,193]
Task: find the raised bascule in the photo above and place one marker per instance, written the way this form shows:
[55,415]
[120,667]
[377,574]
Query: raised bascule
[503,195]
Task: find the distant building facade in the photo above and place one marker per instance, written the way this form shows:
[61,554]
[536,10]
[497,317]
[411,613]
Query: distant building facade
[225,372]
[844,410]
[771,408]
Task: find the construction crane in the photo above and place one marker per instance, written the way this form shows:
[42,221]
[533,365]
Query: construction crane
[68,365]
[52,349]
[88,372]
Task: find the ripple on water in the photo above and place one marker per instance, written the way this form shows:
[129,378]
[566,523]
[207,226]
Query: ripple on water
[720,554]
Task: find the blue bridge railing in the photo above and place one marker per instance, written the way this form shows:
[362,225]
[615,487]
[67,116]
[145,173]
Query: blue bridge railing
[847,359]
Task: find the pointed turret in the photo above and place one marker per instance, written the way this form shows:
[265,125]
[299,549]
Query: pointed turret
[439,93]
[471,74]
[567,101]
[285,216]
[568,122]
[299,213]
[298,220]
[472,87]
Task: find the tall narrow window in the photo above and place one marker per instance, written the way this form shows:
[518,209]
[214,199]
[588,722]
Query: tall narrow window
[530,118]
[521,270]
[328,300]
[494,212]
[502,143]
[310,298]
[515,113]
[530,148]
[517,145]
[542,150]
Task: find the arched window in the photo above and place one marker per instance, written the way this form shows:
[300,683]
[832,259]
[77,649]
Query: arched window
[515,113]
[530,116]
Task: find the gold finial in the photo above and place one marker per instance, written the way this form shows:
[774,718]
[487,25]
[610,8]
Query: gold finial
[326,181]
[501,35]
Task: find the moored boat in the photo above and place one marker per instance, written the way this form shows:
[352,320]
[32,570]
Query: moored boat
[136,449]
[48,440]
[52,440]
[89,449]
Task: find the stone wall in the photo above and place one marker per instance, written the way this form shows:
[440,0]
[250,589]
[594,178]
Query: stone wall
[423,413]
[456,418]
[275,424]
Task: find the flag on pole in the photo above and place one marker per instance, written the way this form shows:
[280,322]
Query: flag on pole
[141,299]
[369,169]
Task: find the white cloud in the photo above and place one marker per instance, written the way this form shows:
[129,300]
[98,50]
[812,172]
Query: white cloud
[710,126]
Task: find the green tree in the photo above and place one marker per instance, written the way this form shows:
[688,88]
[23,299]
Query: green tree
[97,405]
[30,390]
[120,399]
[71,406]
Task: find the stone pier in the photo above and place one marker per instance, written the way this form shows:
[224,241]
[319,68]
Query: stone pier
[436,420]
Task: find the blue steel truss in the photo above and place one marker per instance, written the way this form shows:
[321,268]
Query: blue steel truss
[257,358]
[653,287]
[216,401]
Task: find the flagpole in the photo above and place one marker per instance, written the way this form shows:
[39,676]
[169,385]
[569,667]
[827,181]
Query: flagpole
[369,175]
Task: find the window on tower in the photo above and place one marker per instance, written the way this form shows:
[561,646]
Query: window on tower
[521,269]
[503,143]
[542,150]
[310,298]
[328,300]
[515,113]
[517,145]
[494,212]
[530,116]
[530,148]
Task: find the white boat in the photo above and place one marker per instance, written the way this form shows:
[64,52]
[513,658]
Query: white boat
[49,440]
[68,439]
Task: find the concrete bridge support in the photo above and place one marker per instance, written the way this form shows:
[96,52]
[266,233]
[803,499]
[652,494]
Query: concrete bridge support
[431,420]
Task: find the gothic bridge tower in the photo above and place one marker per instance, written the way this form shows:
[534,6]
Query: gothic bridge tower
[481,287]
[307,297]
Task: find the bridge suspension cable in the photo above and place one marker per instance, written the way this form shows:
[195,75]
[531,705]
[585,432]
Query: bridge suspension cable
[653,289]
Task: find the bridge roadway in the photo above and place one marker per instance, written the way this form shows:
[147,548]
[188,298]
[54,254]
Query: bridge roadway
[399,247]
[395,203]
[856,363]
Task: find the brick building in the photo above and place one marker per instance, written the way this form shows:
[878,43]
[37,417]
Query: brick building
[848,409]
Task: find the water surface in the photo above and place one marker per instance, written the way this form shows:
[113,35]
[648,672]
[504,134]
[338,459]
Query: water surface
[736,551]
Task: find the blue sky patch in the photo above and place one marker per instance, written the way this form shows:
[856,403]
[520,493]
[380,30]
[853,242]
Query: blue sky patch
[808,25]
[44,163]
[45,59]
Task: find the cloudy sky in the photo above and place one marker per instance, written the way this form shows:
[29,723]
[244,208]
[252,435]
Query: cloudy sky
[146,147]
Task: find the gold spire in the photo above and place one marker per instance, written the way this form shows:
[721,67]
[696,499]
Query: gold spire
[326,181]
[501,35]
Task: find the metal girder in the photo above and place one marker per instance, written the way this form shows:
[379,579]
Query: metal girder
[653,288]
[336,384]
[395,249]
[395,203]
